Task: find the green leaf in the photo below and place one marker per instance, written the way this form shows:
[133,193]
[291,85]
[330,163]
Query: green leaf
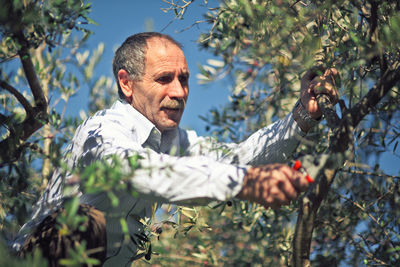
[113,198]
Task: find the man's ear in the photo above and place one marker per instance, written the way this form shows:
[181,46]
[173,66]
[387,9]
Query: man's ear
[125,83]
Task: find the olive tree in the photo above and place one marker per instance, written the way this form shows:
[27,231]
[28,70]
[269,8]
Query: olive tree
[349,216]
[43,65]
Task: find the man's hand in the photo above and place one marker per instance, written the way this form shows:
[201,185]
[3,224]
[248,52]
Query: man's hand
[318,81]
[272,185]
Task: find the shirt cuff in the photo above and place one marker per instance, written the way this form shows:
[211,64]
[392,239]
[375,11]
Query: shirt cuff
[303,118]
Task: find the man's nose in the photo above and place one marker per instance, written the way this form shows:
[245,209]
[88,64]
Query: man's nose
[177,89]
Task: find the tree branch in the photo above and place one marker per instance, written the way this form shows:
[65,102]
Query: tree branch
[33,81]
[37,116]
[24,102]
[311,201]
[325,170]
[3,119]
[374,95]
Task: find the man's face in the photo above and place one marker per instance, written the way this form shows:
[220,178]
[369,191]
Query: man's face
[163,90]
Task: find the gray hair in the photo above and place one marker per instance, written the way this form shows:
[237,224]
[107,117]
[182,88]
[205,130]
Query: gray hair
[131,56]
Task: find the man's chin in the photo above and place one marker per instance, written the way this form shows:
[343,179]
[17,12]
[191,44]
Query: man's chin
[168,125]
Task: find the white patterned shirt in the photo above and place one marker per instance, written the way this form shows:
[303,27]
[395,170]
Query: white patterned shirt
[177,167]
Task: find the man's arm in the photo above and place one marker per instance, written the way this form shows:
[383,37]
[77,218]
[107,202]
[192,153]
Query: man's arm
[274,185]
[162,177]
[276,142]
[179,179]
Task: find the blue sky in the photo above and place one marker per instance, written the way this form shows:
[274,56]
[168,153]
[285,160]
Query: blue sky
[121,18]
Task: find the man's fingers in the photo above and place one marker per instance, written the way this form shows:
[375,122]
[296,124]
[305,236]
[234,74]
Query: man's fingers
[319,80]
[331,72]
[320,71]
[334,78]
[294,178]
[273,185]
[289,190]
[299,181]
[314,72]
[324,85]
[277,196]
[293,182]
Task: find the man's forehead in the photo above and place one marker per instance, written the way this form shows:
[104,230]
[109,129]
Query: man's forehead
[157,42]
[161,50]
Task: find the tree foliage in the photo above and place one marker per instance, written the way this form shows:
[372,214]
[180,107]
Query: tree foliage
[43,65]
[261,48]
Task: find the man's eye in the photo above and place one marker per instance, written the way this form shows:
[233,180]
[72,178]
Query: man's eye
[183,78]
[164,79]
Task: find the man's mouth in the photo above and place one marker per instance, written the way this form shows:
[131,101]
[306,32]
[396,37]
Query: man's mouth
[173,104]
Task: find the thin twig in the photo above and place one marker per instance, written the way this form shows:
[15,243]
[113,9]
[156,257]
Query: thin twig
[370,173]
[368,253]
[370,216]
[295,3]
[8,58]
[192,25]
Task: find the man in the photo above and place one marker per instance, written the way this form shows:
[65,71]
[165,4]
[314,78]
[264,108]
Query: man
[177,166]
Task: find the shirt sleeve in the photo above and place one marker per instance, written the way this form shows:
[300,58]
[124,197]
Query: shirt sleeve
[190,180]
[162,177]
[272,144]
[211,171]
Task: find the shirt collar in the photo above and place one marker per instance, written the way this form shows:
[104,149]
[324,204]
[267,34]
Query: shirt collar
[143,128]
